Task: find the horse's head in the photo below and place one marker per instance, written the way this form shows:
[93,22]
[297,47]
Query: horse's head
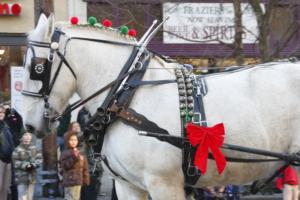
[57,54]
[48,83]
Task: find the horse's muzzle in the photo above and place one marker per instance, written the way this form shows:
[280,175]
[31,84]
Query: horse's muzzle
[29,128]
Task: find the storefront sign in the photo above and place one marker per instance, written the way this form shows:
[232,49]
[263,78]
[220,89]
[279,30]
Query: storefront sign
[10,9]
[16,16]
[207,23]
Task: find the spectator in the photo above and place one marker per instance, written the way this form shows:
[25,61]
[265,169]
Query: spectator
[6,139]
[89,192]
[26,159]
[15,123]
[290,184]
[7,147]
[82,117]
[232,192]
[63,128]
[75,127]
[215,193]
[74,166]
[14,120]
[212,65]
[278,184]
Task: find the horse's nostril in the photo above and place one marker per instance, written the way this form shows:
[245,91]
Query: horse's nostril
[29,128]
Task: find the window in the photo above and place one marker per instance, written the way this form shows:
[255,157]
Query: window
[9,56]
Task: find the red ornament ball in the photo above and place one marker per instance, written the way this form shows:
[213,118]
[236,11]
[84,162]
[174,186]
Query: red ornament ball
[107,23]
[74,20]
[16,9]
[132,32]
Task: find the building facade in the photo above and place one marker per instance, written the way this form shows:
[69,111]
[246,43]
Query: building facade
[16,19]
[284,25]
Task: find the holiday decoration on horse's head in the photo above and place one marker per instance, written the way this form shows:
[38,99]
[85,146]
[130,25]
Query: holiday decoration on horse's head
[132,32]
[92,21]
[124,30]
[74,20]
[107,23]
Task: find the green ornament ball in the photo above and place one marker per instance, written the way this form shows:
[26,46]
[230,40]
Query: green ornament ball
[124,30]
[92,20]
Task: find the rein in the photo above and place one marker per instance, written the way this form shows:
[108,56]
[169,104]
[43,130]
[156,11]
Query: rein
[47,85]
[79,103]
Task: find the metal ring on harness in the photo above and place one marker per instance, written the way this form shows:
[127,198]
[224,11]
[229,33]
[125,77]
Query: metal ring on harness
[97,125]
[106,119]
[100,111]
[126,86]
[107,113]
[191,170]
[51,57]
[138,65]
[46,114]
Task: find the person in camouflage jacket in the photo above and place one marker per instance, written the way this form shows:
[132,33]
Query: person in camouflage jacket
[26,159]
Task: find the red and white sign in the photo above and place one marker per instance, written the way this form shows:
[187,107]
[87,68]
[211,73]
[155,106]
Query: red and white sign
[16,82]
[10,9]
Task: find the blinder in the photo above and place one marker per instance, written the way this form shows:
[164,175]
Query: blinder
[39,69]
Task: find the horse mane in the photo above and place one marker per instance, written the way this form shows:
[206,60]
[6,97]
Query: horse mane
[237,69]
[109,31]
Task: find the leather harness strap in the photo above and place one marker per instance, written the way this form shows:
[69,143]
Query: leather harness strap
[136,120]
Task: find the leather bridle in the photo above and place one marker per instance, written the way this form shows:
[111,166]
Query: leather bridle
[42,68]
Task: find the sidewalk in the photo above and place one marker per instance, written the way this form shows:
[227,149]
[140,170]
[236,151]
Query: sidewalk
[263,197]
[105,193]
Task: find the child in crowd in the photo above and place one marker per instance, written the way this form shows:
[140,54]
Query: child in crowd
[290,184]
[26,159]
[74,166]
[75,127]
[91,191]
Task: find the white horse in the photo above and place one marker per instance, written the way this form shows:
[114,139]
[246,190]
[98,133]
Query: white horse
[259,107]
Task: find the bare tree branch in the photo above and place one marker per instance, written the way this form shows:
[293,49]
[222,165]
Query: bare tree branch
[238,40]
[263,21]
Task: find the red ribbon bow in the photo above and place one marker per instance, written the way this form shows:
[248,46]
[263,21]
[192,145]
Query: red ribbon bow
[207,138]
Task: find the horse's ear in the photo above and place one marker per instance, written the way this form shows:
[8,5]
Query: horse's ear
[41,22]
[49,28]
